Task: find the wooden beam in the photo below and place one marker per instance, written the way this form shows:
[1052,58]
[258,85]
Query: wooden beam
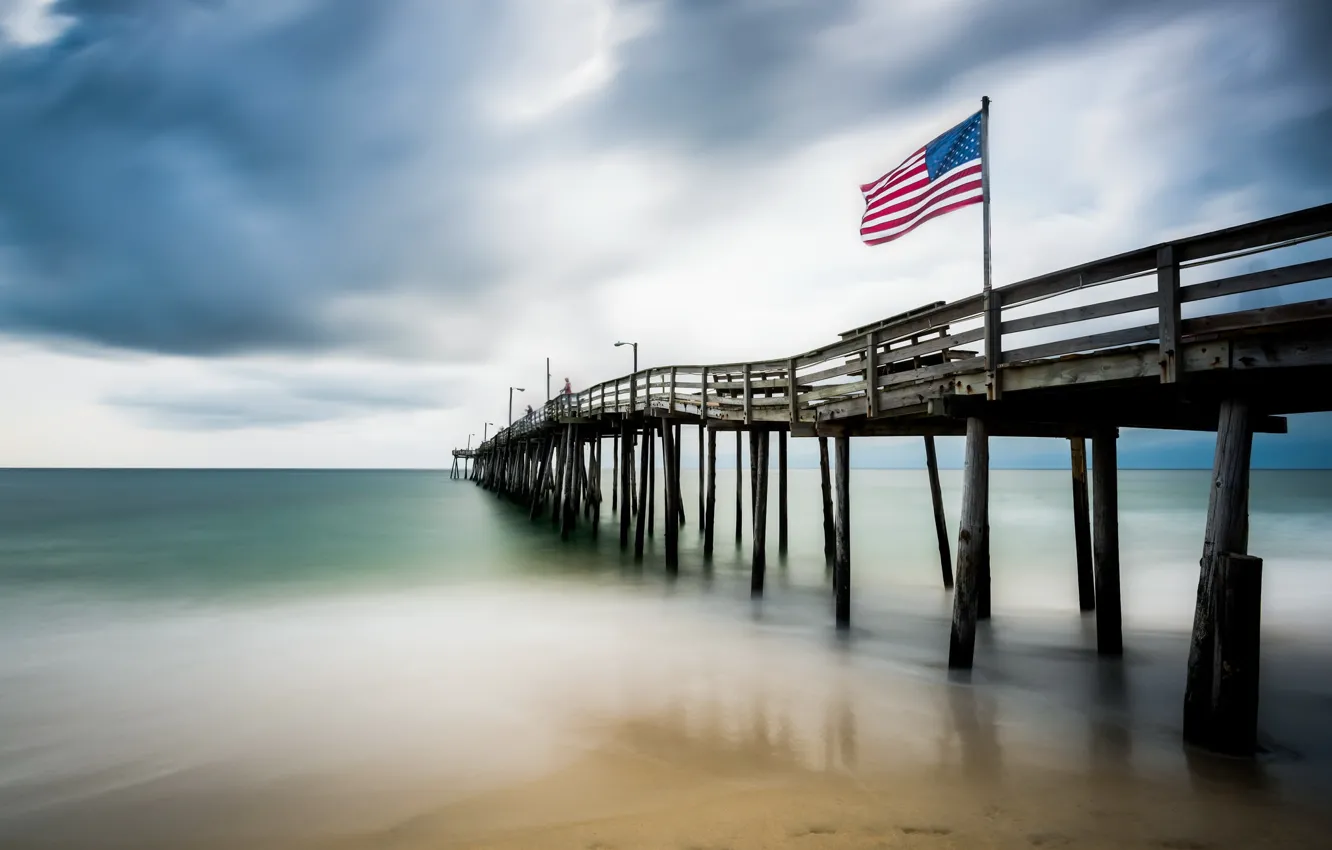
[644,477]
[710,515]
[829,527]
[970,539]
[1168,320]
[1082,525]
[781,493]
[758,473]
[1234,727]
[940,521]
[842,564]
[739,485]
[626,480]
[670,497]
[871,374]
[1105,544]
[1226,534]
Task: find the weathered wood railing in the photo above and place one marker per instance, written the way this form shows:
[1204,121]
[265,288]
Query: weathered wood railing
[923,353]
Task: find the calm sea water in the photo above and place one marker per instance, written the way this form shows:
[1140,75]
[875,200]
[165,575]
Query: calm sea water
[218,633]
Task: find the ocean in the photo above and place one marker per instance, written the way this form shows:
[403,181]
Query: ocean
[255,658]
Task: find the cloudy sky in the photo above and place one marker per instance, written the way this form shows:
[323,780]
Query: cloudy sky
[333,232]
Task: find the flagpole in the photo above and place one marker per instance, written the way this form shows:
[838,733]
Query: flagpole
[985,183]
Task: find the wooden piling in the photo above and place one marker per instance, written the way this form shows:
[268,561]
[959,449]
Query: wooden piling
[670,496]
[650,438]
[703,519]
[1234,708]
[842,565]
[1225,535]
[739,485]
[539,491]
[1105,542]
[758,477]
[677,452]
[615,473]
[710,510]
[561,463]
[829,525]
[970,542]
[640,526]
[569,513]
[781,493]
[595,477]
[626,446]
[1082,525]
[940,521]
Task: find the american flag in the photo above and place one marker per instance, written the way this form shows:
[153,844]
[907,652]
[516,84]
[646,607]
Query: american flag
[943,176]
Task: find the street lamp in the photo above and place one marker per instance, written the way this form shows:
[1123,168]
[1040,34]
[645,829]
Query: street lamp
[511,389]
[485,431]
[633,380]
[466,460]
[635,345]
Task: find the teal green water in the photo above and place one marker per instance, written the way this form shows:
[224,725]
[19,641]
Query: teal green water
[200,629]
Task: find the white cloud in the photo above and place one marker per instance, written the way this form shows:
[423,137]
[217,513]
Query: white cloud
[28,23]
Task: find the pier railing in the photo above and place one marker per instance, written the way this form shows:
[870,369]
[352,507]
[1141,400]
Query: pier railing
[974,346]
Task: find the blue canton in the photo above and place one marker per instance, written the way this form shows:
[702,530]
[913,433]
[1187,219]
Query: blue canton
[960,145]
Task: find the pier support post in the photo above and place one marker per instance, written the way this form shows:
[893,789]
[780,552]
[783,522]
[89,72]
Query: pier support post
[940,521]
[829,525]
[596,485]
[970,543]
[1082,525]
[1105,541]
[702,506]
[739,485]
[561,463]
[644,458]
[670,496]
[650,437]
[539,491]
[626,446]
[758,476]
[569,513]
[615,472]
[1238,638]
[678,445]
[842,560]
[1226,535]
[781,493]
[710,510]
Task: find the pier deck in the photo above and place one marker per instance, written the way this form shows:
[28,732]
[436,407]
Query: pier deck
[998,363]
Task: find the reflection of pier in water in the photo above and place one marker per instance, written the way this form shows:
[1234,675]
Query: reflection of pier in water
[1041,369]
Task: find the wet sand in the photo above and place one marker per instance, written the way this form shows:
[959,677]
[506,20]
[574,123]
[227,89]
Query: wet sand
[614,721]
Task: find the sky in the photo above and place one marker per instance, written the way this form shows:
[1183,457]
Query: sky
[333,233]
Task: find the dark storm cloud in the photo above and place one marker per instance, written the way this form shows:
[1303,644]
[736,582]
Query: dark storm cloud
[277,403]
[205,177]
[214,176]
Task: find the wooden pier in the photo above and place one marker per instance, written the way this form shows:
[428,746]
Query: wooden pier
[1027,372]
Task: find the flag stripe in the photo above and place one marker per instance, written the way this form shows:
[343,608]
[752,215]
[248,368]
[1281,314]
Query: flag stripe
[873,186]
[925,218]
[944,175]
[906,221]
[916,178]
[909,209]
[871,189]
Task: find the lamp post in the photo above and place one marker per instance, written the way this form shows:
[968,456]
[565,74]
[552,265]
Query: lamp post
[633,379]
[635,345]
[466,460]
[511,389]
[485,431]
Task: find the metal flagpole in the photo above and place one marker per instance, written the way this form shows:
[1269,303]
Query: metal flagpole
[985,183]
